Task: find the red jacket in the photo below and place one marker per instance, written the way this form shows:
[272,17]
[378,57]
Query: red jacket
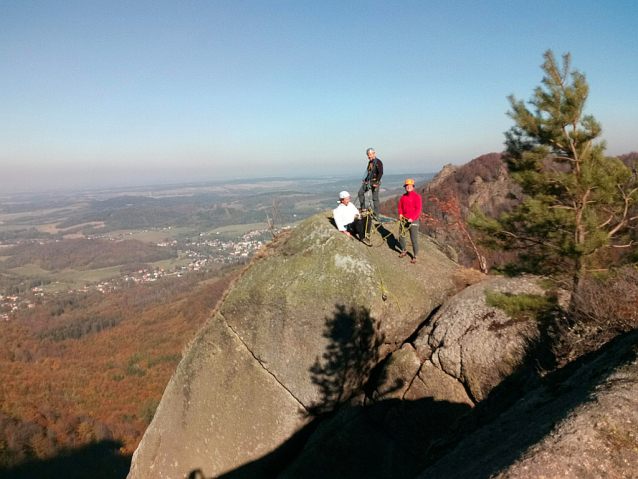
[410,205]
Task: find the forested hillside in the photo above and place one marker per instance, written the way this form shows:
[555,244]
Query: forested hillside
[485,183]
[93,367]
[81,254]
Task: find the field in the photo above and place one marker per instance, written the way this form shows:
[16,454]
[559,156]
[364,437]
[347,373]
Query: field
[171,264]
[151,236]
[18,217]
[67,279]
[238,229]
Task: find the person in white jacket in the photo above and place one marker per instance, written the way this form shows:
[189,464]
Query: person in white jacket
[348,220]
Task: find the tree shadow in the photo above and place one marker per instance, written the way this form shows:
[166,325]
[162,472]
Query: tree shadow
[101,460]
[390,238]
[351,354]
[366,429]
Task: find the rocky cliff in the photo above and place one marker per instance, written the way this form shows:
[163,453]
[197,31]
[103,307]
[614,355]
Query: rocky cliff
[305,371]
[298,335]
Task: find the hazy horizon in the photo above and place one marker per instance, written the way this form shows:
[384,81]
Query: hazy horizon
[148,183]
[98,95]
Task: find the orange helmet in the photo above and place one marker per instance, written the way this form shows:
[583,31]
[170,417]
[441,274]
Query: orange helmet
[409,181]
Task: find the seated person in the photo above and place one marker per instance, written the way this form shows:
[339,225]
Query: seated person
[347,219]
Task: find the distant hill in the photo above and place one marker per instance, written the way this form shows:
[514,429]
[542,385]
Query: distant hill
[630,159]
[483,181]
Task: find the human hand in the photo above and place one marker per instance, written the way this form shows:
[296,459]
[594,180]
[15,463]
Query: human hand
[347,234]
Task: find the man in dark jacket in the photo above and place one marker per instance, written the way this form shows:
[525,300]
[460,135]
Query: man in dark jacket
[372,181]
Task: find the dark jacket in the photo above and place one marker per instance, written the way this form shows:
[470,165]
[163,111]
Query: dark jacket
[374,172]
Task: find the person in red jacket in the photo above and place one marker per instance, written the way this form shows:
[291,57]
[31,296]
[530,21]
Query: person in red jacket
[410,206]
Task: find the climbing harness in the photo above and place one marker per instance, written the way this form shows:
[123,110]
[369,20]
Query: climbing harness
[403,231]
[370,174]
[368,179]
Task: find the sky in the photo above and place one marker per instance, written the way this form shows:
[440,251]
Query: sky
[125,93]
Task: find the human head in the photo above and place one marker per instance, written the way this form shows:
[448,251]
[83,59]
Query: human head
[409,185]
[344,197]
[371,154]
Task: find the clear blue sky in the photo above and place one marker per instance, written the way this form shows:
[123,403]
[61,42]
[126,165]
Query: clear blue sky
[144,91]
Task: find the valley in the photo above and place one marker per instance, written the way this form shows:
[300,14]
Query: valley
[101,294]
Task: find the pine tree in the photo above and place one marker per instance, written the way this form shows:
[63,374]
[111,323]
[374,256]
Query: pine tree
[577,202]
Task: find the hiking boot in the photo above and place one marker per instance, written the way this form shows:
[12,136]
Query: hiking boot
[367,241]
[402,255]
[413,260]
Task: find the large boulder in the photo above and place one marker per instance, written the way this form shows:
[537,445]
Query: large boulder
[478,344]
[581,422]
[424,388]
[298,334]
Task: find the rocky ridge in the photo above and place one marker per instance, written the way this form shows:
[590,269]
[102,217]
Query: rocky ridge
[305,371]
[297,336]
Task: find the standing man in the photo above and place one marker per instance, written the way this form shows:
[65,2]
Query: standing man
[410,206]
[347,219]
[372,180]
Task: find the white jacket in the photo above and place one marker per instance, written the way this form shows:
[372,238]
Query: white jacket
[344,215]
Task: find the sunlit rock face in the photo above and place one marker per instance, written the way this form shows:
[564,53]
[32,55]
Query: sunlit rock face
[305,371]
[298,336]
[579,422]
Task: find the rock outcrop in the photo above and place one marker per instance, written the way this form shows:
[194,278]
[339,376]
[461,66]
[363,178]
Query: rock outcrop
[477,344]
[298,335]
[581,422]
[305,371]
[455,360]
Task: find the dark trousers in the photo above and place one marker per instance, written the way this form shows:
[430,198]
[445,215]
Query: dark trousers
[414,237]
[375,197]
[358,227]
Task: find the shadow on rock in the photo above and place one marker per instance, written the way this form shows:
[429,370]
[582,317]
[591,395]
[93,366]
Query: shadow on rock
[351,355]
[350,435]
[502,429]
[390,237]
[101,460]
[381,440]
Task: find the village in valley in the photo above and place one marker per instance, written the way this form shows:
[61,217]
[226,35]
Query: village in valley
[195,255]
[194,228]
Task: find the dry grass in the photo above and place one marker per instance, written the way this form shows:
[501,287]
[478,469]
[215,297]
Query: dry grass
[464,277]
[603,308]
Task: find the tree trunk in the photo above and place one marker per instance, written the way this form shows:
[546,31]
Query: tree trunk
[579,269]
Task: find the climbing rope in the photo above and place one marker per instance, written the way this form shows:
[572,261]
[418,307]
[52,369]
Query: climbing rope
[384,290]
[403,231]
[375,217]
